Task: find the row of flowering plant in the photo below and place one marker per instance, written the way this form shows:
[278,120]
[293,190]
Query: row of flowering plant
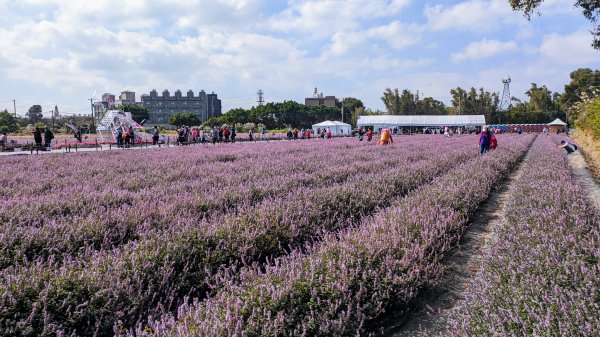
[541,276]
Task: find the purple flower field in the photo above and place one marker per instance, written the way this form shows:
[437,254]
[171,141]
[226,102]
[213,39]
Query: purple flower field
[304,238]
[337,286]
[94,242]
[542,276]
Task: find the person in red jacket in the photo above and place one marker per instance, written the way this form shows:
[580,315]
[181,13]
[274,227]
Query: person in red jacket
[369,134]
[493,141]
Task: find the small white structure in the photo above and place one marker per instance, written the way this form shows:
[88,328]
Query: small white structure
[396,121]
[337,128]
[556,125]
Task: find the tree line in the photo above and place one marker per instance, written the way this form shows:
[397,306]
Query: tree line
[541,106]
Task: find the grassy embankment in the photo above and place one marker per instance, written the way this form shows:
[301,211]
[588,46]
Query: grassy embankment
[590,148]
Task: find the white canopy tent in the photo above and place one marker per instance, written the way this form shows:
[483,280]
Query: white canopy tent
[337,128]
[395,121]
[557,122]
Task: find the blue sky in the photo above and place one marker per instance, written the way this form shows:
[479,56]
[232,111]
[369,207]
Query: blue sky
[56,52]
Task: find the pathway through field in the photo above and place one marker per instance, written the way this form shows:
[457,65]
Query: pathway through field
[434,307]
[586,180]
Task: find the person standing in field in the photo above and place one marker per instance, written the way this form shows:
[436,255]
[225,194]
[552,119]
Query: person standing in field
[263,132]
[119,137]
[131,135]
[214,135]
[484,140]
[154,134]
[37,137]
[251,134]
[48,136]
[385,138]
[493,141]
[369,134]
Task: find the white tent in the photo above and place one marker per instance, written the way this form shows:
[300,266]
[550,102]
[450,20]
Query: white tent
[557,122]
[337,128]
[394,121]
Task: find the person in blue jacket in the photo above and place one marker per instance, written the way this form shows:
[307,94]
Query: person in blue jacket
[484,140]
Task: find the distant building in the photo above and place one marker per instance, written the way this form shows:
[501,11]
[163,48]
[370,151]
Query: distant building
[318,99]
[109,101]
[126,98]
[160,108]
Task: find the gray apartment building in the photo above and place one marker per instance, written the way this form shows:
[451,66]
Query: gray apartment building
[160,107]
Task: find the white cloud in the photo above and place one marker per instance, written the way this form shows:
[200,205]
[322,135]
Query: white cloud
[53,48]
[323,18]
[484,49]
[472,15]
[570,49]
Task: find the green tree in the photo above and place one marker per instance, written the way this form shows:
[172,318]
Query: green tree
[181,118]
[475,102]
[34,114]
[350,106]
[583,82]
[459,100]
[138,113]
[408,102]
[590,9]
[540,98]
[589,115]
[391,100]
[8,122]
[431,106]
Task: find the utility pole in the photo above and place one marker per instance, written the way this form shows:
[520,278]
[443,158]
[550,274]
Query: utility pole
[15,107]
[91,99]
[342,110]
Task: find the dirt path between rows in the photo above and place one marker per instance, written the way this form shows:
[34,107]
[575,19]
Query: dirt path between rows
[580,169]
[433,308]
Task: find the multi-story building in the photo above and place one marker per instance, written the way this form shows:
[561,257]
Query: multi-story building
[126,98]
[318,99]
[160,108]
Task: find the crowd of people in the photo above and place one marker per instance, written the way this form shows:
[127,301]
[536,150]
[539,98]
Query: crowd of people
[125,136]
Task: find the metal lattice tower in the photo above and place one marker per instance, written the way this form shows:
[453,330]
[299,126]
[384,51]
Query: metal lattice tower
[505,95]
[260,100]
